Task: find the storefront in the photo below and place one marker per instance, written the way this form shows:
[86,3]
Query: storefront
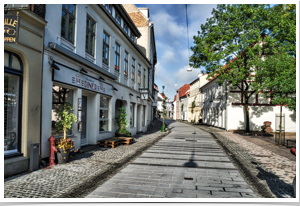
[89,96]
[23,61]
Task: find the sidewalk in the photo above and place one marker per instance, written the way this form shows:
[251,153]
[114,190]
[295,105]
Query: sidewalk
[269,167]
[82,172]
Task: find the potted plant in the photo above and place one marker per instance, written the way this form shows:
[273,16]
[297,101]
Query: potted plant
[122,122]
[65,118]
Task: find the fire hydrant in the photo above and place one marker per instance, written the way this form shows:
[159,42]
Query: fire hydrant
[52,150]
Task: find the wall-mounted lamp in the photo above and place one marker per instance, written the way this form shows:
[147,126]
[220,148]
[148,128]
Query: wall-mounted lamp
[54,65]
[83,71]
[138,97]
[101,79]
[131,94]
[115,89]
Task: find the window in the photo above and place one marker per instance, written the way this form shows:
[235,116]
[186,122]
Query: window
[131,36]
[105,55]
[68,22]
[139,75]
[13,78]
[108,7]
[118,18]
[126,64]
[59,96]
[117,57]
[144,80]
[125,27]
[133,69]
[132,114]
[144,116]
[90,36]
[104,109]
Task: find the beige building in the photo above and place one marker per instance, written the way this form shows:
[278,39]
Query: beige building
[195,94]
[22,86]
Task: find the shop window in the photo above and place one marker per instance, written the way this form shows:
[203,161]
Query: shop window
[132,114]
[13,77]
[59,96]
[104,114]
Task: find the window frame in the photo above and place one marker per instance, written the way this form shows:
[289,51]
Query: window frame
[108,115]
[18,72]
[139,74]
[117,57]
[133,108]
[105,45]
[125,28]
[144,80]
[73,16]
[117,16]
[61,102]
[108,8]
[126,54]
[91,36]
[133,69]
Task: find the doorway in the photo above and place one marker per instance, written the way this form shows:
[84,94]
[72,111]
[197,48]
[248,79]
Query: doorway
[83,120]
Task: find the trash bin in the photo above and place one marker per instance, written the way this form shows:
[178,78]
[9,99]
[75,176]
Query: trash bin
[34,157]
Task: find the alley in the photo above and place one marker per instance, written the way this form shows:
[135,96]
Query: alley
[187,163]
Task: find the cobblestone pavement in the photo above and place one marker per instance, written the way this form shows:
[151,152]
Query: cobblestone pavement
[82,171]
[188,163]
[267,168]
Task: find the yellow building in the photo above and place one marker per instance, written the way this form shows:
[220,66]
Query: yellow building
[22,83]
[195,95]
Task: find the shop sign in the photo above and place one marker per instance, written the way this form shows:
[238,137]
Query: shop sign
[71,77]
[11,28]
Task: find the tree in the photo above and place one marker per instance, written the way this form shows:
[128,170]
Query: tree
[164,112]
[278,79]
[192,110]
[122,121]
[239,35]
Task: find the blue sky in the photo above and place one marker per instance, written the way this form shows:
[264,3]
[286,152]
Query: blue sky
[171,42]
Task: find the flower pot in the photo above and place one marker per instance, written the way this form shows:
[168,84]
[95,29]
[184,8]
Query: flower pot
[62,156]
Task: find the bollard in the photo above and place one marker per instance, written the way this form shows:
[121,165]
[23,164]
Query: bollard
[52,150]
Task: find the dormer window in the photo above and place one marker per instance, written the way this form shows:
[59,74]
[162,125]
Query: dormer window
[108,7]
[125,28]
[118,18]
[132,36]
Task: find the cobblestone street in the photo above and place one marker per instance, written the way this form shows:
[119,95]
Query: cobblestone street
[269,168]
[156,166]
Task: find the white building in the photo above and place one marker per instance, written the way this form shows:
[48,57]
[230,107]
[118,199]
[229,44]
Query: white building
[223,108]
[93,61]
[169,105]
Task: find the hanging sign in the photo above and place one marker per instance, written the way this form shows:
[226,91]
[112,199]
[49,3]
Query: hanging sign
[74,78]
[11,28]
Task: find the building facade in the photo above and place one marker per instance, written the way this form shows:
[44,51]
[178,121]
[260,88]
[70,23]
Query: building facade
[195,95]
[181,98]
[22,84]
[223,107]
[93,61]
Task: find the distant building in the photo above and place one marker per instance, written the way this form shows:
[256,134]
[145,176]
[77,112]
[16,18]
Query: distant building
[181,98]
[195,95]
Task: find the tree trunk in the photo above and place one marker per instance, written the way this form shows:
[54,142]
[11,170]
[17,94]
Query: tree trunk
[247,116]
[280,125]
[65,133]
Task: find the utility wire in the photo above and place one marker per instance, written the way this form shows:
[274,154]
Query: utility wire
[187,30]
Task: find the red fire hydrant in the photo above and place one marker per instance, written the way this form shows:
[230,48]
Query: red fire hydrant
[52,150]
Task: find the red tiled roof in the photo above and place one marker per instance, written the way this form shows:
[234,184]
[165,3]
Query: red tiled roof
[164,96]
[184,90]
[175,97]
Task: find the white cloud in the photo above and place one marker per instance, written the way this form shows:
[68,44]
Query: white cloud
[166,26]
[168,56]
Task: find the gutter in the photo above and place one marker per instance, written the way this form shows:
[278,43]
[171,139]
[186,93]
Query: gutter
[81,60]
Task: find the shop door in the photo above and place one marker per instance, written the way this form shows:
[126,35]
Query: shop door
[83,120]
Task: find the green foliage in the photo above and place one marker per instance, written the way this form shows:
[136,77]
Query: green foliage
[192,122]
[234,35]
[122,121]
[278,76]
[65,118]
[193,105]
